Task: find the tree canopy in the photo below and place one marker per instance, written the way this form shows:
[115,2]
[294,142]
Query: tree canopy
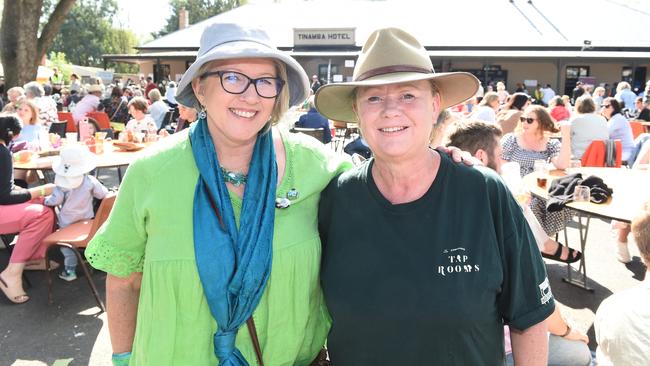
[88,33]
[198,10]
[22,46]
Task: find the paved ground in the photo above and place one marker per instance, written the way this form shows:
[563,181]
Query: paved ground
[72,331]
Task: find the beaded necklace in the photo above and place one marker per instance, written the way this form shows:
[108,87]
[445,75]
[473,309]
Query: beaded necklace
[234,178]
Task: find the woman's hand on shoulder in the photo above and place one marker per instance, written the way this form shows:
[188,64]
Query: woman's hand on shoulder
[458,155]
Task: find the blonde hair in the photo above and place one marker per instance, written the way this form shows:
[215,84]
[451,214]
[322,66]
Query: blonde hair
[641,232]
[33,107]
[488,98]
[154,95]
[599,90]
[622,85]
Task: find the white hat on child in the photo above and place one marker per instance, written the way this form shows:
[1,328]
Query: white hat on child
[73,162]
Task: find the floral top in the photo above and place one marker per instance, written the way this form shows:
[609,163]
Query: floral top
[150,231]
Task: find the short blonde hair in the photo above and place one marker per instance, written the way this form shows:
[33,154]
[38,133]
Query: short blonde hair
[488,98]
[641,232]
[154,95]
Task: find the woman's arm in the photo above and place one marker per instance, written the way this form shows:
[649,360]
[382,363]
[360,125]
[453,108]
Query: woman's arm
[530,346]
[557,326]
[562,160]
[122,296]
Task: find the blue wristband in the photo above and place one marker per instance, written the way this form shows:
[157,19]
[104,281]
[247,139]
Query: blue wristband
[121,359]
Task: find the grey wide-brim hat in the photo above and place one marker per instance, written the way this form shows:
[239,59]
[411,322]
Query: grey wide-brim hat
[224,41]
[392,56]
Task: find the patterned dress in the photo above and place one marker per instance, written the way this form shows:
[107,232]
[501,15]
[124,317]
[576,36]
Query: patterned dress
[552,222]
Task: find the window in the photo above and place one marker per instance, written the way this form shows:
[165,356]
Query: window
[322,72]
[574,72]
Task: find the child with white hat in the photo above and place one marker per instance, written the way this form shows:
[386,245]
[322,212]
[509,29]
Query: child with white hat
[74,193]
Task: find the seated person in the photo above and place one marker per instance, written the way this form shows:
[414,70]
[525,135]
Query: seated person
[186,116]
[644,110]
[586,126]
[567,346]
[313,119]
[158,108]
[623,319]
[141,122]
[89,103]
[481,139]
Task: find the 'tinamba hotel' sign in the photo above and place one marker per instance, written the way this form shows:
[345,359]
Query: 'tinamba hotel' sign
[323,36]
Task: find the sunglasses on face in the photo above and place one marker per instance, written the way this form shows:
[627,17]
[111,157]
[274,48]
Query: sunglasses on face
[529,120]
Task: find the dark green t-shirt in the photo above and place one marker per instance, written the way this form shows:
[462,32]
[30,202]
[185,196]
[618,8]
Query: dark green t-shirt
[429,282]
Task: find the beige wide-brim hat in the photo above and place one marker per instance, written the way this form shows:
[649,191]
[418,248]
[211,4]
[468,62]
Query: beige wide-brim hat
[224,41]
[392,56]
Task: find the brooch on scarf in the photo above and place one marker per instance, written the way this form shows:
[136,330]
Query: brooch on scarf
[66,167]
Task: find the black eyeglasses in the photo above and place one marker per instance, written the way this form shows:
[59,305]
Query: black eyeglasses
[606,105]
[530,120]
[237,83]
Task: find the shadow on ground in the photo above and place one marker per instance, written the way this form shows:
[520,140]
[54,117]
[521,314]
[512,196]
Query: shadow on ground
[37,331]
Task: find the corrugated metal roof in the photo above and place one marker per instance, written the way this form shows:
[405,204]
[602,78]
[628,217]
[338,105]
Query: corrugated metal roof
[457,23]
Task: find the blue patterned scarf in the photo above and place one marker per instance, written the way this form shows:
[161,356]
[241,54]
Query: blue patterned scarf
[233,264]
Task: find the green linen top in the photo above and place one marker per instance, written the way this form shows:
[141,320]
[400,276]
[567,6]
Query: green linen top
[150,230]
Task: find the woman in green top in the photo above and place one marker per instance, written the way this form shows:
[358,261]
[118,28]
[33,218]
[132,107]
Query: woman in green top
[219,224]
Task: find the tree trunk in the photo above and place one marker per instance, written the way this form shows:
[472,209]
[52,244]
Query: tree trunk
[20,47]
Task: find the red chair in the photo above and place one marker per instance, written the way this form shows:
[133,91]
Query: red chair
[637,128]
[595,155]
[67,116]
[102,119]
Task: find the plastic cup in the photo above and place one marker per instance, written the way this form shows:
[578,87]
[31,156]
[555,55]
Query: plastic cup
[71,137]
[581,194]
[574,165]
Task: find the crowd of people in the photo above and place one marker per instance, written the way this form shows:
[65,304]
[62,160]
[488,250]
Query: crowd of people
[276,231]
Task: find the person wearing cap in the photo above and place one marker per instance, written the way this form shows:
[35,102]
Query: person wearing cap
[89,103]
[75,84]
[22,212]
[424,260]
[74,194]
[217,225]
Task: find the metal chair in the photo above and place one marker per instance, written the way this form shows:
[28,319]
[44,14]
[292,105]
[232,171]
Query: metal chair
[77,236]
[58,128]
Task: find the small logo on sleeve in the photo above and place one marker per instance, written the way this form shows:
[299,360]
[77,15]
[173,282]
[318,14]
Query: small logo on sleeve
[456,260]
[545,291]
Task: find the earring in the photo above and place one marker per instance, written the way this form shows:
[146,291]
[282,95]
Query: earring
[202,113]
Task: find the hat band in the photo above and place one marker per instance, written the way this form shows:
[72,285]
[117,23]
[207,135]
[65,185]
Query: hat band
[391,69]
